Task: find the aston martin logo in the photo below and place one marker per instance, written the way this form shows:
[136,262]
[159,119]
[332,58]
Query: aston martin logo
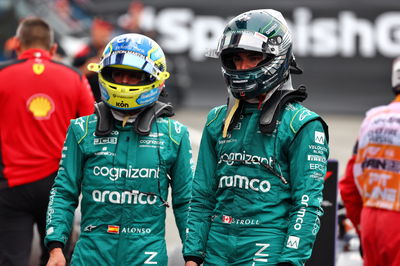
[41,106]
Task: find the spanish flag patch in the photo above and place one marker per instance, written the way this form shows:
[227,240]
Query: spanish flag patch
[113,229]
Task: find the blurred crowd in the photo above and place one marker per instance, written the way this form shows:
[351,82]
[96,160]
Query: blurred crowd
[91,34]
[92,42]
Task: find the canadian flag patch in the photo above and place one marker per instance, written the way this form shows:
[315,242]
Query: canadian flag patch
[226,219]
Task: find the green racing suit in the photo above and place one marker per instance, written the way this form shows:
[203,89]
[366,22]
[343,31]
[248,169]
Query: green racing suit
[257,197]
[123,179]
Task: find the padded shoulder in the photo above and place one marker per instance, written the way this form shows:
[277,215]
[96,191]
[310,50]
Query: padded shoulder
[297,116]
[82,126]
[216,114]
[173,128]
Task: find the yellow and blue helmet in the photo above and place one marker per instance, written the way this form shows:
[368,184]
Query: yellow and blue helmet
[132,52]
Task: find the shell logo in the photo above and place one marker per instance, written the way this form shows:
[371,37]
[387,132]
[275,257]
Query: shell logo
[41,106]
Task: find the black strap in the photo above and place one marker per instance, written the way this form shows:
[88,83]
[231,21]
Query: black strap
[146,118]
[273,106]
[105,119]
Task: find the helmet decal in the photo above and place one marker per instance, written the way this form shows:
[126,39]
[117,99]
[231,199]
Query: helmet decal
[131,53]
[262,31]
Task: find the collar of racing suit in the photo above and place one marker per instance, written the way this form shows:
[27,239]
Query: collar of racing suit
[35,53]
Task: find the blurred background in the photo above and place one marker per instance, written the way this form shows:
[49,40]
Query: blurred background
[344,47]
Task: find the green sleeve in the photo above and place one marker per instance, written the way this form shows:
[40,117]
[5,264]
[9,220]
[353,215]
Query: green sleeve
[181,183]
[308,155]
[64,195]
[203,197]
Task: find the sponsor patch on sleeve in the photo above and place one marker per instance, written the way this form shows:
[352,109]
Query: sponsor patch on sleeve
[319,137]
[50,230]
[293,242]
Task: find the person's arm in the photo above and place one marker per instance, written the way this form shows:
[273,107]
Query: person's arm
[56,258]
[350,195]
[202,201]
[308,155]
[64,195]
[181,183]
[86,99]
[191,263]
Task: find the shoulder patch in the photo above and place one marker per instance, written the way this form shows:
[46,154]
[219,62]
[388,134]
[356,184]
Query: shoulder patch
[214,114]
[177,126]
[81,123]
[175,130]
[300,117]
[81,126]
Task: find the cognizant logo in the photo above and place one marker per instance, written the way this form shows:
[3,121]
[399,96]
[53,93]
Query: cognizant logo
[128,197]
[231,158]
[50,209]
[244,182]
[114,173]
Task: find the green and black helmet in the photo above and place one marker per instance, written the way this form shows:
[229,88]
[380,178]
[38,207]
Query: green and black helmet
[265,31]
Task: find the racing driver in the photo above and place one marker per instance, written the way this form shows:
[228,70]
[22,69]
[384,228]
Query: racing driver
[122,160]
[257,189]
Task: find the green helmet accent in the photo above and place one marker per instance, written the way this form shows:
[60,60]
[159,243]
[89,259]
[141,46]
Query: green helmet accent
[264,31]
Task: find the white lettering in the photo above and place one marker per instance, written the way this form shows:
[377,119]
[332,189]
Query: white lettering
[183,31]
[152,255]
[114,173]
[249,159]
[260,253]
[315,166]
[301,212]
[388,33]
[243,182]
[129,197]
[317,158]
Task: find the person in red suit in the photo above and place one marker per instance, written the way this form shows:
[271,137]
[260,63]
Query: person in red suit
[370,188]
[38,97]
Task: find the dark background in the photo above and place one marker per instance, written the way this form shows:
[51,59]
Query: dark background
[344,47]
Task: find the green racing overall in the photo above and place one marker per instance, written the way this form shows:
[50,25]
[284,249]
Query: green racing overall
[257,197]
[123,179]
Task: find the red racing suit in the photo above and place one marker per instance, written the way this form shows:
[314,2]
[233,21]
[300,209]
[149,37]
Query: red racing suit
[370,188]
[38,98]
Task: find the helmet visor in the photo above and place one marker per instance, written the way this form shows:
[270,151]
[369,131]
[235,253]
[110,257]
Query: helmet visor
[246,40]
[125,76]
[134,60]
[233,59]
